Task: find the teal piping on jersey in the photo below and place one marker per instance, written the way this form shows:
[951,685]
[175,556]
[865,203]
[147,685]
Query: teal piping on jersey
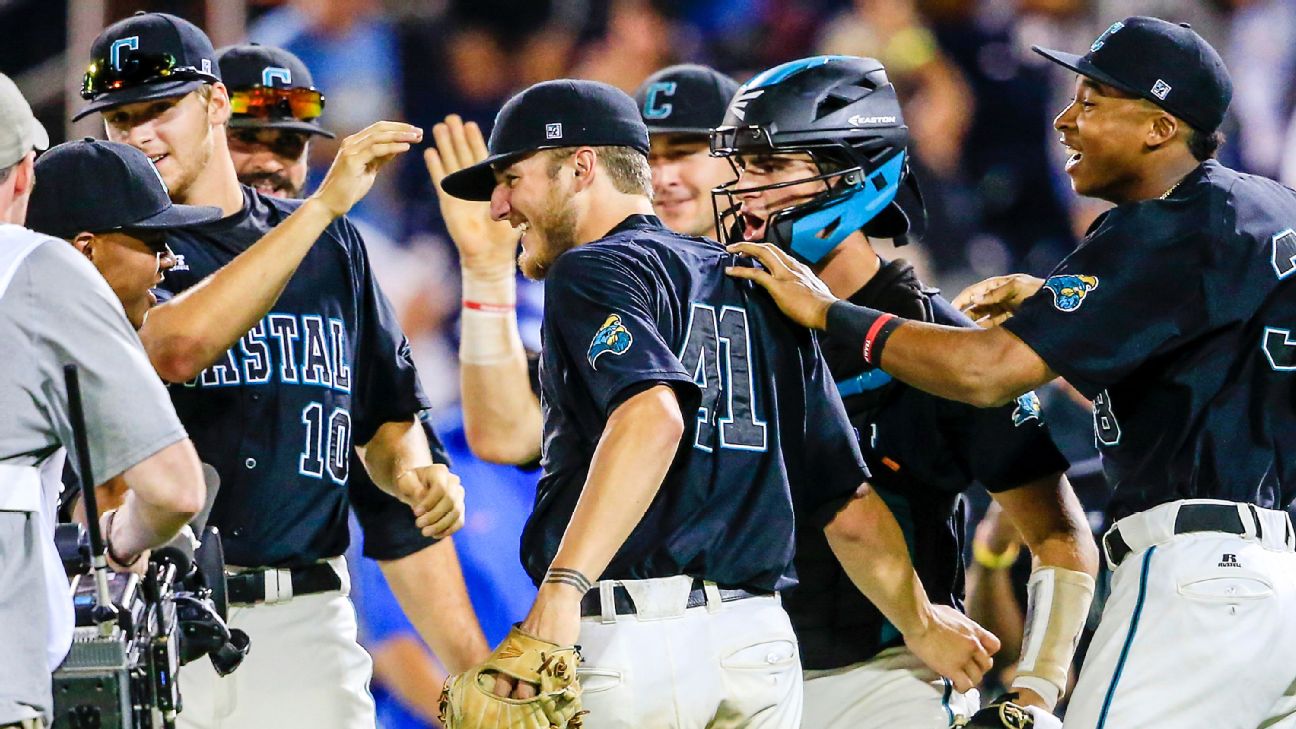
[945,699]
[1129,639]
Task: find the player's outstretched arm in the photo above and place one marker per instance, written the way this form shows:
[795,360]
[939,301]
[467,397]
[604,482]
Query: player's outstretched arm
[983,367]
[186,334]
[429,586]
[871,548]
[501,413]
[1052,523]
[993,301]
[399,461]
[633,455]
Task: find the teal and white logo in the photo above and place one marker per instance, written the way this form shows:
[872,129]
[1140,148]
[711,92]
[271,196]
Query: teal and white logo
[270,73]
[611,337]
[1070,290]
[114,53]
[653,108]
[1028,408]
[1102,39]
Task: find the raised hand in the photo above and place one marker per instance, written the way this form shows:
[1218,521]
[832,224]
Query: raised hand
[484,245]
[992,301]
[361,155]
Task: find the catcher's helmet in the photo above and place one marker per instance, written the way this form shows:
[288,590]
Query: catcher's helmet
[843,112]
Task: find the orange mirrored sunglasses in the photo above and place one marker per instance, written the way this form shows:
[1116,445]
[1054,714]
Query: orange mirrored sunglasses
[264,102]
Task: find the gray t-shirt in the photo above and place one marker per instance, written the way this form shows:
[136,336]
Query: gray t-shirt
[55,309]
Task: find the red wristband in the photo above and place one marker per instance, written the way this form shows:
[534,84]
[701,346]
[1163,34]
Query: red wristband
[871,338]
[488,307]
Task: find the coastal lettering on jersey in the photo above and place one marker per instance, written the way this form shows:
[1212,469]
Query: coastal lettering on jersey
[301,349]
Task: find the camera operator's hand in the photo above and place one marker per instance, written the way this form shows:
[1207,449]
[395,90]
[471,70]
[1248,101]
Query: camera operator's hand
[119,562]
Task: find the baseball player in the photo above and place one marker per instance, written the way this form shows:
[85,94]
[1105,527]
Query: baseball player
[662,531]
[56,310]
[1173,316]
[819,185]
[275,111]
[277,415]
[679,105]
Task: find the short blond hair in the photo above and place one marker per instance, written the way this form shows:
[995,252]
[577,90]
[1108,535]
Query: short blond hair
[626,167]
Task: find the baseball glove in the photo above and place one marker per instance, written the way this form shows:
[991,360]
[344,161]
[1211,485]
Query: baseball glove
[1004,714]
[468,700]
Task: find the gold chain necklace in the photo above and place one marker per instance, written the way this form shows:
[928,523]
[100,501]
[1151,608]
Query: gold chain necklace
[1173,187]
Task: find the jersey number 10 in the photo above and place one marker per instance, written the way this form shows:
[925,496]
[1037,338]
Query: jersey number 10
[328,444]
[717,350]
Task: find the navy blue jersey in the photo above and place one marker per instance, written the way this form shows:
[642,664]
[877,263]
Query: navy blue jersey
[1175,317]
[278,416]
[644,306]
[924,452]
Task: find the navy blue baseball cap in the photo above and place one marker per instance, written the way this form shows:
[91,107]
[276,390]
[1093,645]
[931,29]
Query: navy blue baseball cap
[144,57]
[253,66]
[93,186]
[685,99]
[549,115]
[1166,63]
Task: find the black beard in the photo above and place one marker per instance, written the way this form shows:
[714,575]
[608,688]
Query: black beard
[277,181]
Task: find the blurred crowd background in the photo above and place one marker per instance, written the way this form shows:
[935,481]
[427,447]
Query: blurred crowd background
[978,102]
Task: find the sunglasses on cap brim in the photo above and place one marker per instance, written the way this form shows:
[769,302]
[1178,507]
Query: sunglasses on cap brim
[137,69]
[264,102]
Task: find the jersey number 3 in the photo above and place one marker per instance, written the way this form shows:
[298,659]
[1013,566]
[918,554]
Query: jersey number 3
[717,350]
[1279,345]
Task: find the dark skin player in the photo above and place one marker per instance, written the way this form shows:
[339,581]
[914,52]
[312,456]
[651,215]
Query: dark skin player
[1124,149]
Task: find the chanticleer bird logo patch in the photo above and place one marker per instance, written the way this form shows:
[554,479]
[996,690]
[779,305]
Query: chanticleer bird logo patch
[611,337]
[1069,291]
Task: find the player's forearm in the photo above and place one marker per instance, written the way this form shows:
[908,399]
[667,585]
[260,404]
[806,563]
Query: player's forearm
[629,465]
[429,586]
[395,448]
[983,367]
[992,602]
[871,548]
[401,664]
[502,418]
[1052,523]
[188,333]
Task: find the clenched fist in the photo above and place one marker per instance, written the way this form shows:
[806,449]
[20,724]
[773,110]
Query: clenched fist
[437,498]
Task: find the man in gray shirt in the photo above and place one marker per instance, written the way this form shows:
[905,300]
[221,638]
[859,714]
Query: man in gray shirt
[55,309]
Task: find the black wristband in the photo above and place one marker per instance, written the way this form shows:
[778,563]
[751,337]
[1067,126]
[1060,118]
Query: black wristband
[870,327]
[108,546]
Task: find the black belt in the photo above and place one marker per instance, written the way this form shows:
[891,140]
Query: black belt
[1191,518]
[248,588]
[592,603]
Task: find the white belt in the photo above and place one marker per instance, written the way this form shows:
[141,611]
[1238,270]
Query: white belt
[20,488]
